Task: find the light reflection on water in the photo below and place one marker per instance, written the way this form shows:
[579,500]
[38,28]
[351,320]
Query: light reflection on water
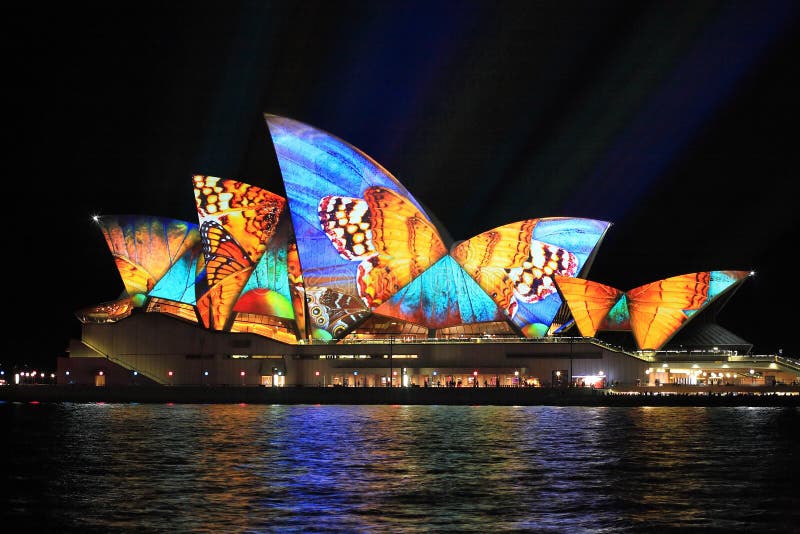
[234,468]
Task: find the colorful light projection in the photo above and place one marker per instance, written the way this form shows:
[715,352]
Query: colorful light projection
[144,247]
[267,290]
[296,287]
[515,265]
[237,220]
[361,237]
[654,312]
[441,297]
[361,234]
[178,283]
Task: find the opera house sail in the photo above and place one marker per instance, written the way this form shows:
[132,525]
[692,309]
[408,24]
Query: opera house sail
[350,256]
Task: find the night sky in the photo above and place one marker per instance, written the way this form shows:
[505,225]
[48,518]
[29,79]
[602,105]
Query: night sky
[676,121]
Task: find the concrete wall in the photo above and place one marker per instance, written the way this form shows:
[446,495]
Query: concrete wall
[154,344]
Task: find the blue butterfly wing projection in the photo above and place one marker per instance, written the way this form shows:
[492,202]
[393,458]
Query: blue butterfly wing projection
[178,284]
[358,230]
[144,247]
[442,296]
[559,246]
[515,265]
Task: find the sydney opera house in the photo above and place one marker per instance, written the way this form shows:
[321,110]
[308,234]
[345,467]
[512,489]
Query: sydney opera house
[347,281]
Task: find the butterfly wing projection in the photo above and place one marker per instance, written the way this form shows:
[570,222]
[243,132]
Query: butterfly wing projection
[516,270]
[655,311]
[296,287]
[224,255]
[490,256]
[516,264]
[393,240]
[215,305]
[249,213]
[237,221]
[136,279]
[442,296]
[589,302]
[331,314]
[267,291]
[658,309]
[178,283]
[144,248]
[359,232]
[406,241]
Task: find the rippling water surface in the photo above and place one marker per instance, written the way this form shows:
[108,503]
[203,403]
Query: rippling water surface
[234,468]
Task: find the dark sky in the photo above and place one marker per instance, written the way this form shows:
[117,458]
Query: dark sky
[676,121]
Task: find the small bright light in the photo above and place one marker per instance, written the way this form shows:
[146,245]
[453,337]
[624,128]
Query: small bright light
[665,365]
[474,373]
[394,373]
[600,373]
[136,373]
[558,373]
[96,218]
[516,373]
[355,373]
[100,373]
[242,373]
[752,371]
[316,373]
[435,373]
[169,373]
[52,375]
[205,373]
[66,373]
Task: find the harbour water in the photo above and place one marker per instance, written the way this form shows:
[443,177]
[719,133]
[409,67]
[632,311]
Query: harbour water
[94,467]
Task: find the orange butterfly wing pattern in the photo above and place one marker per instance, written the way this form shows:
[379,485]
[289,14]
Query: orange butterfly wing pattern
[489,257]
[223,255]
[237,220]
[393,240]
[589,302]
[657,308]
[216,305]
[136,279]
[249,213]
[407,245]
